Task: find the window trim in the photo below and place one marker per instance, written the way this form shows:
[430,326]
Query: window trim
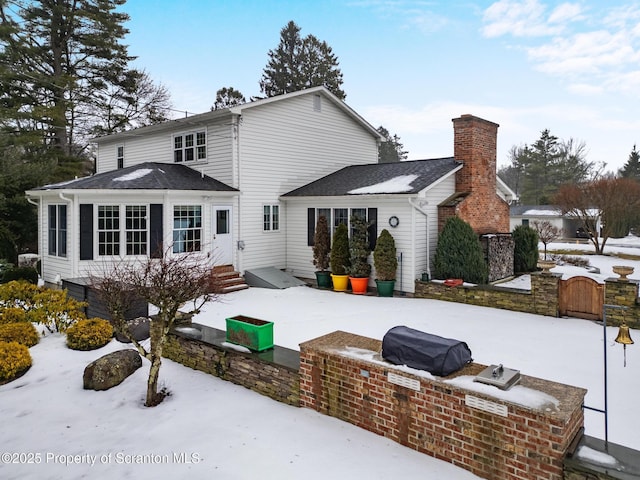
[198,146]
[120,156]
[57,235]
[197,242]
[371,216]
[122,245]
[271,217]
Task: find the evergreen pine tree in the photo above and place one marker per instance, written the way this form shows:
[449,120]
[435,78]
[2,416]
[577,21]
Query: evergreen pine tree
[525,250]
[631,169]
[321,244]
[459,253]
[390,150]
[359,248]
[339,257]
[385,257]
[298,63]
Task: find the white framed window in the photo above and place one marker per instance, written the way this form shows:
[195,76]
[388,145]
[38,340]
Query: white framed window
[270,218]
[317,103]
[136,232]
[187,228]
[191,146]
[120,156]
[115,236]
[57,230]
[108,230]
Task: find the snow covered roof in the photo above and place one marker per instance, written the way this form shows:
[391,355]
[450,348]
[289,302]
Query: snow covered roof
[408,177]
[536,210]
[145,176]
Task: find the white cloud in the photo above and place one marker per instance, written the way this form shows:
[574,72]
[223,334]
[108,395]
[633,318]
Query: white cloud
[583,53]
[600,54]
[518,18]
[566,12]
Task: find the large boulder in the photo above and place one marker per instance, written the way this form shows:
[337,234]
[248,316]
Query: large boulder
[111,369]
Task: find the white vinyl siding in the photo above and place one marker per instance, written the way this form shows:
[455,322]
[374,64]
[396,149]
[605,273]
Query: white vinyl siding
[283,146]
[159,147]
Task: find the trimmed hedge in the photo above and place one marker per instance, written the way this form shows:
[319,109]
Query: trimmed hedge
[23,332]
[15,359]
[459,253]
[28,274]
[13,315]
[89,334]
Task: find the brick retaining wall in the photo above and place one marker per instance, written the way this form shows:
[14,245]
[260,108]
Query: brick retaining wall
[341,376]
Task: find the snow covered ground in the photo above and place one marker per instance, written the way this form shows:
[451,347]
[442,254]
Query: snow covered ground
[209,428]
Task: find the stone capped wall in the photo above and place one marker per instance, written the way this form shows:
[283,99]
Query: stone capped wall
[252,370]
[542,299]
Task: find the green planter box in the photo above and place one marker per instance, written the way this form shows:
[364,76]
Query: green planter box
[249,332]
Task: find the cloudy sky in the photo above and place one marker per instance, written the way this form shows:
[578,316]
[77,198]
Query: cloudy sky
[413,65]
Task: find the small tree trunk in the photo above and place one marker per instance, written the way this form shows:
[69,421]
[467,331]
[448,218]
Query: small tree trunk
[155,353]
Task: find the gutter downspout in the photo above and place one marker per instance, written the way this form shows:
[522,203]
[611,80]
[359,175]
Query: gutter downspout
[40,236]
[74,262]
[419,208]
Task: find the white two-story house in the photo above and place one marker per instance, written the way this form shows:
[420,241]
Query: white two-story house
[240,184]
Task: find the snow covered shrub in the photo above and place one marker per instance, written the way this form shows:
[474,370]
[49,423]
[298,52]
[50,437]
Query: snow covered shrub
[24,333]
[14,360]
[12,315]
[89,334]
[52,308]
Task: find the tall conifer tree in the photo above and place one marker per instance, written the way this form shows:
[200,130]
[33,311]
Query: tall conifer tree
[298,63]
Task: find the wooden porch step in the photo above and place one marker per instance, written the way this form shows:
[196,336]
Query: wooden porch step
[224,279]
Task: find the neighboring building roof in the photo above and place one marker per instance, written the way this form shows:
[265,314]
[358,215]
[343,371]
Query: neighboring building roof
[198,119]
[535,211]
[409,177]
[145,176]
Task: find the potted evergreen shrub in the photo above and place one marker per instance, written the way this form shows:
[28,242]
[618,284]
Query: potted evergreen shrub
[321,249]
[360,269]
[339,258]
[386,262]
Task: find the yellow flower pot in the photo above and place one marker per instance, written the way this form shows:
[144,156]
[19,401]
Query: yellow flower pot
[340,282]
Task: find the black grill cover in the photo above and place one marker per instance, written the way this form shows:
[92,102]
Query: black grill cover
[416,349]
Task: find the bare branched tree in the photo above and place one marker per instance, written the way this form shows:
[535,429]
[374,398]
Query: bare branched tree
[170,283]
[547,233]
[613,201]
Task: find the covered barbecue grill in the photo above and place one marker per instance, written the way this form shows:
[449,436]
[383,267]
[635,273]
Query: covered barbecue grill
[437,355]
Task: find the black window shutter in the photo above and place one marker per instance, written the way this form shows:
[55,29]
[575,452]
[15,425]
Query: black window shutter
[311,226]
[155,230]
[86,231]
[372,217]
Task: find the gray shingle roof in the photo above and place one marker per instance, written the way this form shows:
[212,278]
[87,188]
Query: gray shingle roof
[146,176]
[379,178]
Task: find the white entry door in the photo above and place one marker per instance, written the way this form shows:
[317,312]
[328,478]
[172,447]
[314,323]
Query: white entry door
[222,235]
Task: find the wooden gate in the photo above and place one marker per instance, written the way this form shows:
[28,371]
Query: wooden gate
[581,297]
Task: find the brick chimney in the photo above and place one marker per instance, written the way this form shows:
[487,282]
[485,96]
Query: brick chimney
[474,144]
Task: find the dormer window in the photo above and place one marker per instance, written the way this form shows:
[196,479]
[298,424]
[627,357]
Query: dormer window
[190,146]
